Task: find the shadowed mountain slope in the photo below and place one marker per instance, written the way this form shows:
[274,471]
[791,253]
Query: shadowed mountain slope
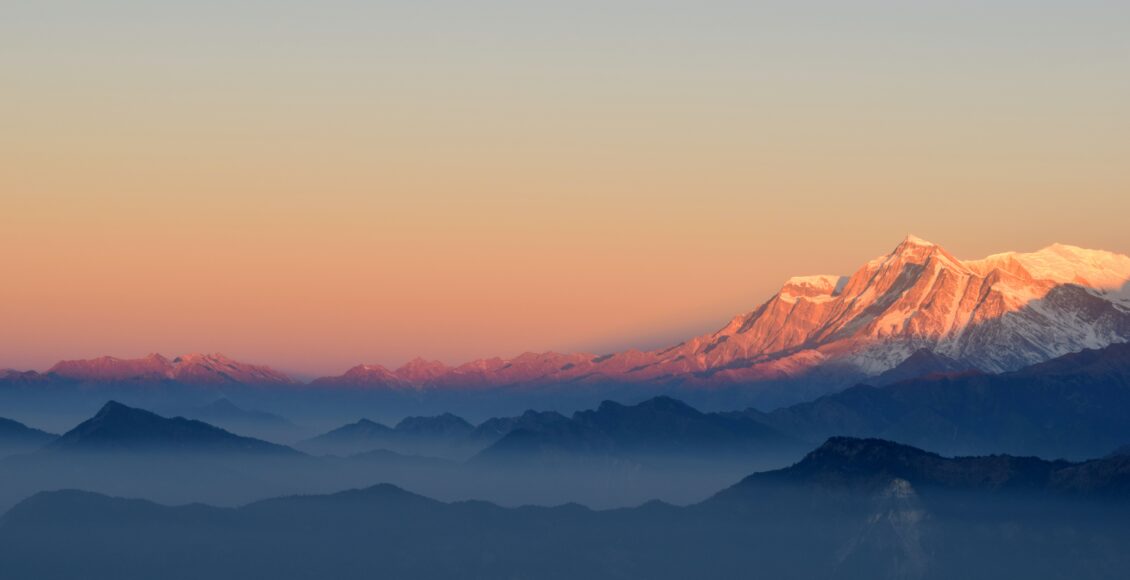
[995,314]
[15,437]
[655,429]
[443,435]
[914,310]
[225,414]
[118,428]
[1074,406]
[871,464]
[853,509]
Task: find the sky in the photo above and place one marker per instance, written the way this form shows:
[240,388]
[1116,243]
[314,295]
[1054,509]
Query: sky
[313,185]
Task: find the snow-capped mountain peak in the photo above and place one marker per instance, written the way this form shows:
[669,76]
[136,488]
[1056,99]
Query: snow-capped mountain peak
[1064,264]
[820,287]
[993,314]
[997,313]
[195,368]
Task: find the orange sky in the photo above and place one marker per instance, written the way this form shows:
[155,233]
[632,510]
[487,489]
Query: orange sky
[313,188]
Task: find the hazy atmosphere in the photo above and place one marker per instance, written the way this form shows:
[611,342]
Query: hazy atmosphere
[316,185]
[615,290]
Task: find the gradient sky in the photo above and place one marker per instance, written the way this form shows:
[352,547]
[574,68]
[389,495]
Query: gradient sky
[316,184]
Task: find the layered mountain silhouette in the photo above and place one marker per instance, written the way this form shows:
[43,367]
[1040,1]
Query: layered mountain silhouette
[916,309]
[1072,406]
[922,363]
[119,428]
[364,435]
[15,437]
[870,465]
[443,426]
[494,429]
[194,369]
[611,455]
[995,314]
[441,435]
[225,414]
[661,427]
[14,378]
[124,450]
[654,430]
[852,509]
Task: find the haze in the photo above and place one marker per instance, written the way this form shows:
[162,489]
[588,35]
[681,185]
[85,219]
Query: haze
[314,185]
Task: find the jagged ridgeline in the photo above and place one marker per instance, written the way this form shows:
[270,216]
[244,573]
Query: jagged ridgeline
[851,509]
[917,306]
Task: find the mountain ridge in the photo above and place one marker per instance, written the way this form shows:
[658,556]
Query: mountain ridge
[994,314]
[15,437]
[905,513]
[997,313]
[870,464]
[117,427]
[196,369]
[1070,406]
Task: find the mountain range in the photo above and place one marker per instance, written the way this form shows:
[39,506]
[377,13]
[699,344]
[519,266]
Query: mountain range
[657,431]
[851,509]
[442,435]
[224,413]
[195,369]
[915,309]
[1013,371]
[15,437]
[614,454]
[1072,406]
[999,313]
[870,465]
[604,457]
[119,428]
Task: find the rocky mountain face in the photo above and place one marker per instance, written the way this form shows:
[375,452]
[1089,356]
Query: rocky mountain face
[917,308]
[999,313]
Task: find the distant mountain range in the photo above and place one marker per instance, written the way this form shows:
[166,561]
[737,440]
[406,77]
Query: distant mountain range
[913,311]
[131,451]
[851,509]
[119,428]
[870,465]
[1072,406]
[15,437]
[658,430]
[224,413]
[999,313]
[191,369]
[613,455]
[441,435]
[608,456]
